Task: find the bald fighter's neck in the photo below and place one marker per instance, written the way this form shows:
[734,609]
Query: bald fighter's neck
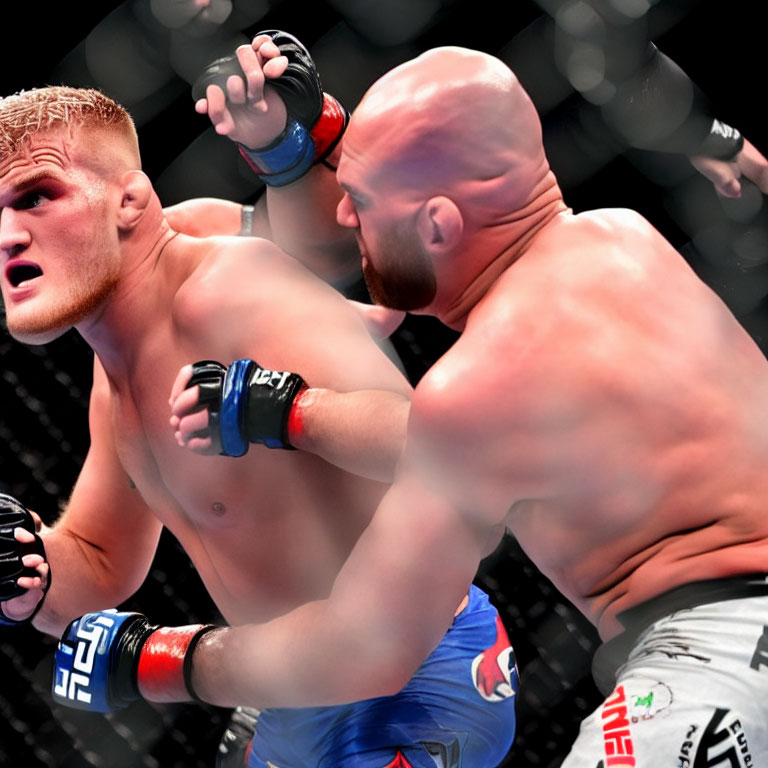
[495,248]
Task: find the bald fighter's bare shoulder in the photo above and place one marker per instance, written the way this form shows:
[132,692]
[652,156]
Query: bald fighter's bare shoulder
[585,321]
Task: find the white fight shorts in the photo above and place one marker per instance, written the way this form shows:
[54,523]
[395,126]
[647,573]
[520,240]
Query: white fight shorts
[692,693]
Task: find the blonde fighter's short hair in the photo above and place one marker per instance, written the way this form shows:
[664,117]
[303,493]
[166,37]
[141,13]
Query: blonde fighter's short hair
[39,110]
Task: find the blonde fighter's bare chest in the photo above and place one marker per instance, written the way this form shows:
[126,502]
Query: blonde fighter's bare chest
[266,531]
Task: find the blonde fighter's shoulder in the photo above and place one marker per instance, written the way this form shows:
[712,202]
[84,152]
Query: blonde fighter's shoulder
[245,297]
[228,275]
[232,263]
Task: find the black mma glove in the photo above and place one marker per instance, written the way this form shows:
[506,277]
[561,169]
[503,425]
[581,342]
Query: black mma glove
[645,112]
[103,658]
[721,143]
[13,514]
[246,404]
[236,739]
[316,121]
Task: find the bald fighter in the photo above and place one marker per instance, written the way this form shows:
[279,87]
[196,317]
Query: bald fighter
[601,403]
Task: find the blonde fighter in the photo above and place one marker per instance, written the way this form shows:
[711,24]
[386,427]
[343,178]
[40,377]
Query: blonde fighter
[84,244]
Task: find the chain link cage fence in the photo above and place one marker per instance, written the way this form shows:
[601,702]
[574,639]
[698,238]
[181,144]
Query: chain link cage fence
[145,54]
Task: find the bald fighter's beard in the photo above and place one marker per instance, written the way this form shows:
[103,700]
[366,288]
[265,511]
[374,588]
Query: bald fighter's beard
[408,281]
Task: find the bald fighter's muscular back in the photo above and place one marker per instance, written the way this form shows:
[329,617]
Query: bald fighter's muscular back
[592,327]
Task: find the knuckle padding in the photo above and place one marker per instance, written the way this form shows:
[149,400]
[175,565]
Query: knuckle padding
[13,514]
[299,86]
[208,377]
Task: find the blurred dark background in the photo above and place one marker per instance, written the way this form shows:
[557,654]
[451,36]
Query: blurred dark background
[145,54]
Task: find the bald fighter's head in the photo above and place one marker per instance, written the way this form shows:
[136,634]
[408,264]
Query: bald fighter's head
[444,172]
[453,120]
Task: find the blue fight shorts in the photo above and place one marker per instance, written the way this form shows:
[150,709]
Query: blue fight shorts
[457,710]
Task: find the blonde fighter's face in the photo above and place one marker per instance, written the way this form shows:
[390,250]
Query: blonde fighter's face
[59,253]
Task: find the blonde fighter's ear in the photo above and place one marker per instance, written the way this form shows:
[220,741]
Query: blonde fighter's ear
[440,225]
[136,191]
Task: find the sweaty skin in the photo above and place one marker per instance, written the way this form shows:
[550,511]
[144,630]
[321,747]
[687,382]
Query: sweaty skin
[602,402]
[266,532]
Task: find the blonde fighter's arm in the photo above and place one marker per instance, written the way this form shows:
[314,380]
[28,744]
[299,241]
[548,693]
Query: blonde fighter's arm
[101,548]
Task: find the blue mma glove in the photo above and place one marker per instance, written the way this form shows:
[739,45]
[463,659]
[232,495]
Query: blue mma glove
[107,659]
[13,514]
[246,404]
[316,121]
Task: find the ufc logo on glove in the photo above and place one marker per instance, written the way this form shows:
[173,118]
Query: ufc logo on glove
[274,379]
[75,663]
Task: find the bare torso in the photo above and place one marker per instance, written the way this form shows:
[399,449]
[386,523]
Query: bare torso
[622,432]
[267,531]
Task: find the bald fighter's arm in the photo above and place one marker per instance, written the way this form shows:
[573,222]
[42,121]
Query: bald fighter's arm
[393,600]
[391,603]
[102,547]
[355,408]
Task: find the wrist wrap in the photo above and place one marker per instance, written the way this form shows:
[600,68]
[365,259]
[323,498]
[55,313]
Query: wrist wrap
[246,404]
[722,142]
[108,659]
[296,150]
[164,670]
[287,159]
[256,405]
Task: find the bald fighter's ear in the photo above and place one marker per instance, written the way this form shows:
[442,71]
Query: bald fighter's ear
[136,191]
[440,224]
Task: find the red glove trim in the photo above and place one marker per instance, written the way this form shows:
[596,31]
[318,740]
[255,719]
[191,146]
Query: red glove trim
[329,128]
[325,133]
[255,168]
[161,663]
[295,425]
